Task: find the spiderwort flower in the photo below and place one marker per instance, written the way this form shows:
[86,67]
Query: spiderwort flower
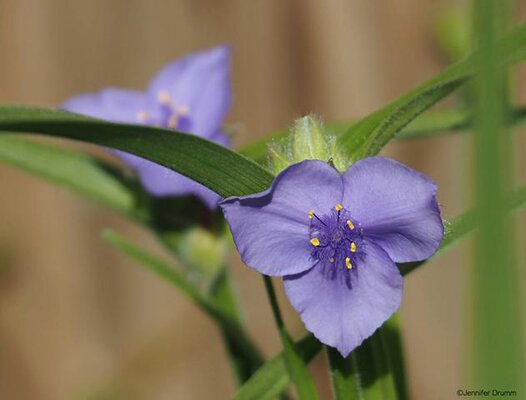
[191,95]
[335,240]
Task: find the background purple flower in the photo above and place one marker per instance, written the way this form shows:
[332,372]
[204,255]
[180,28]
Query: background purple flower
[336,238]
[191,95]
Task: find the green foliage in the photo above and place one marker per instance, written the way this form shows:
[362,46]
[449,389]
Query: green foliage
[220,306]
[432,123]
[309,140]
[498,353]
[272,378]
[372,133]
[222,170]
[70,169]
[375,370]
[296,365]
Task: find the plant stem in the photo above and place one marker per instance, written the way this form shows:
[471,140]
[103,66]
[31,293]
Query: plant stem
[497,352]
[245,358]
[296,367]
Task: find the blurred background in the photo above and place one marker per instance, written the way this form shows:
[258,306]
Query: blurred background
[77,319]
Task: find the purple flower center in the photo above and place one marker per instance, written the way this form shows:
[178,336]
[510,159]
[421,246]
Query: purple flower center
[169,114]
[336,239]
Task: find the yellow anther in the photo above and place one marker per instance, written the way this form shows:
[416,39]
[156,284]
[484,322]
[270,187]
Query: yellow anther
[353,247]
[143,116]
[315,242]
[182,111]
[350,224]
[311,214]
[172,121]
[331,260]
[338,207]
[348,263]
[164,97]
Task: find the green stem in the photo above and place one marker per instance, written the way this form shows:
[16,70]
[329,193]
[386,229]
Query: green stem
[369,372]
[296,366]
[392,342]
[497,358]
[244,354]
[245,358]
[346,383]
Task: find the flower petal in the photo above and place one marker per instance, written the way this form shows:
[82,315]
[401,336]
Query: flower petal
[112,104]
[396,206]
[201,82]
[161,181]
[343,307]
[271,228]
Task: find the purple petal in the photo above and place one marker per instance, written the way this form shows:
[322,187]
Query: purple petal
[396,207]
[271,228]
[161,181]
[200,82]
[112,104]
[344,307]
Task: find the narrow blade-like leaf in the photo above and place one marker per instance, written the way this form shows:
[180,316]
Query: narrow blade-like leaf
[70,169]
[222,170]
[373,132]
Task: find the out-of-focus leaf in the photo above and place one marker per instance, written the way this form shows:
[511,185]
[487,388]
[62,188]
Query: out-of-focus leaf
[432,123]
[296,366]
[272,378]
[497,321]
[70,169]
[372,133]
[218,168]
[235,335]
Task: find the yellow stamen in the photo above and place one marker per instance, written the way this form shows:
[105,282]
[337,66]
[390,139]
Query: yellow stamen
[338,207]
[315,242]
[143,116]
[331,260]
[182,111]
[311,214]
[348,263]
[164,97]
[172,121]
[350,224]
[353,247]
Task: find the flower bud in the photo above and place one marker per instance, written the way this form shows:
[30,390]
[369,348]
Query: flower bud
[204,251]
[279,157]
[309,141]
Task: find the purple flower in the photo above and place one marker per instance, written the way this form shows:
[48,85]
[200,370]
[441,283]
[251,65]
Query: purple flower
[335,240]
[192,95]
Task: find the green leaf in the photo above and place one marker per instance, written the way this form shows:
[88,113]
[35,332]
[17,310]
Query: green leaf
[216,167]
[168,217]
[296,365]
[231,329]
[70,169]
[375,370]
[373,132]
[345,376]
[391,336]
[244,358]
[432,123]
[497,356]
[272,378]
